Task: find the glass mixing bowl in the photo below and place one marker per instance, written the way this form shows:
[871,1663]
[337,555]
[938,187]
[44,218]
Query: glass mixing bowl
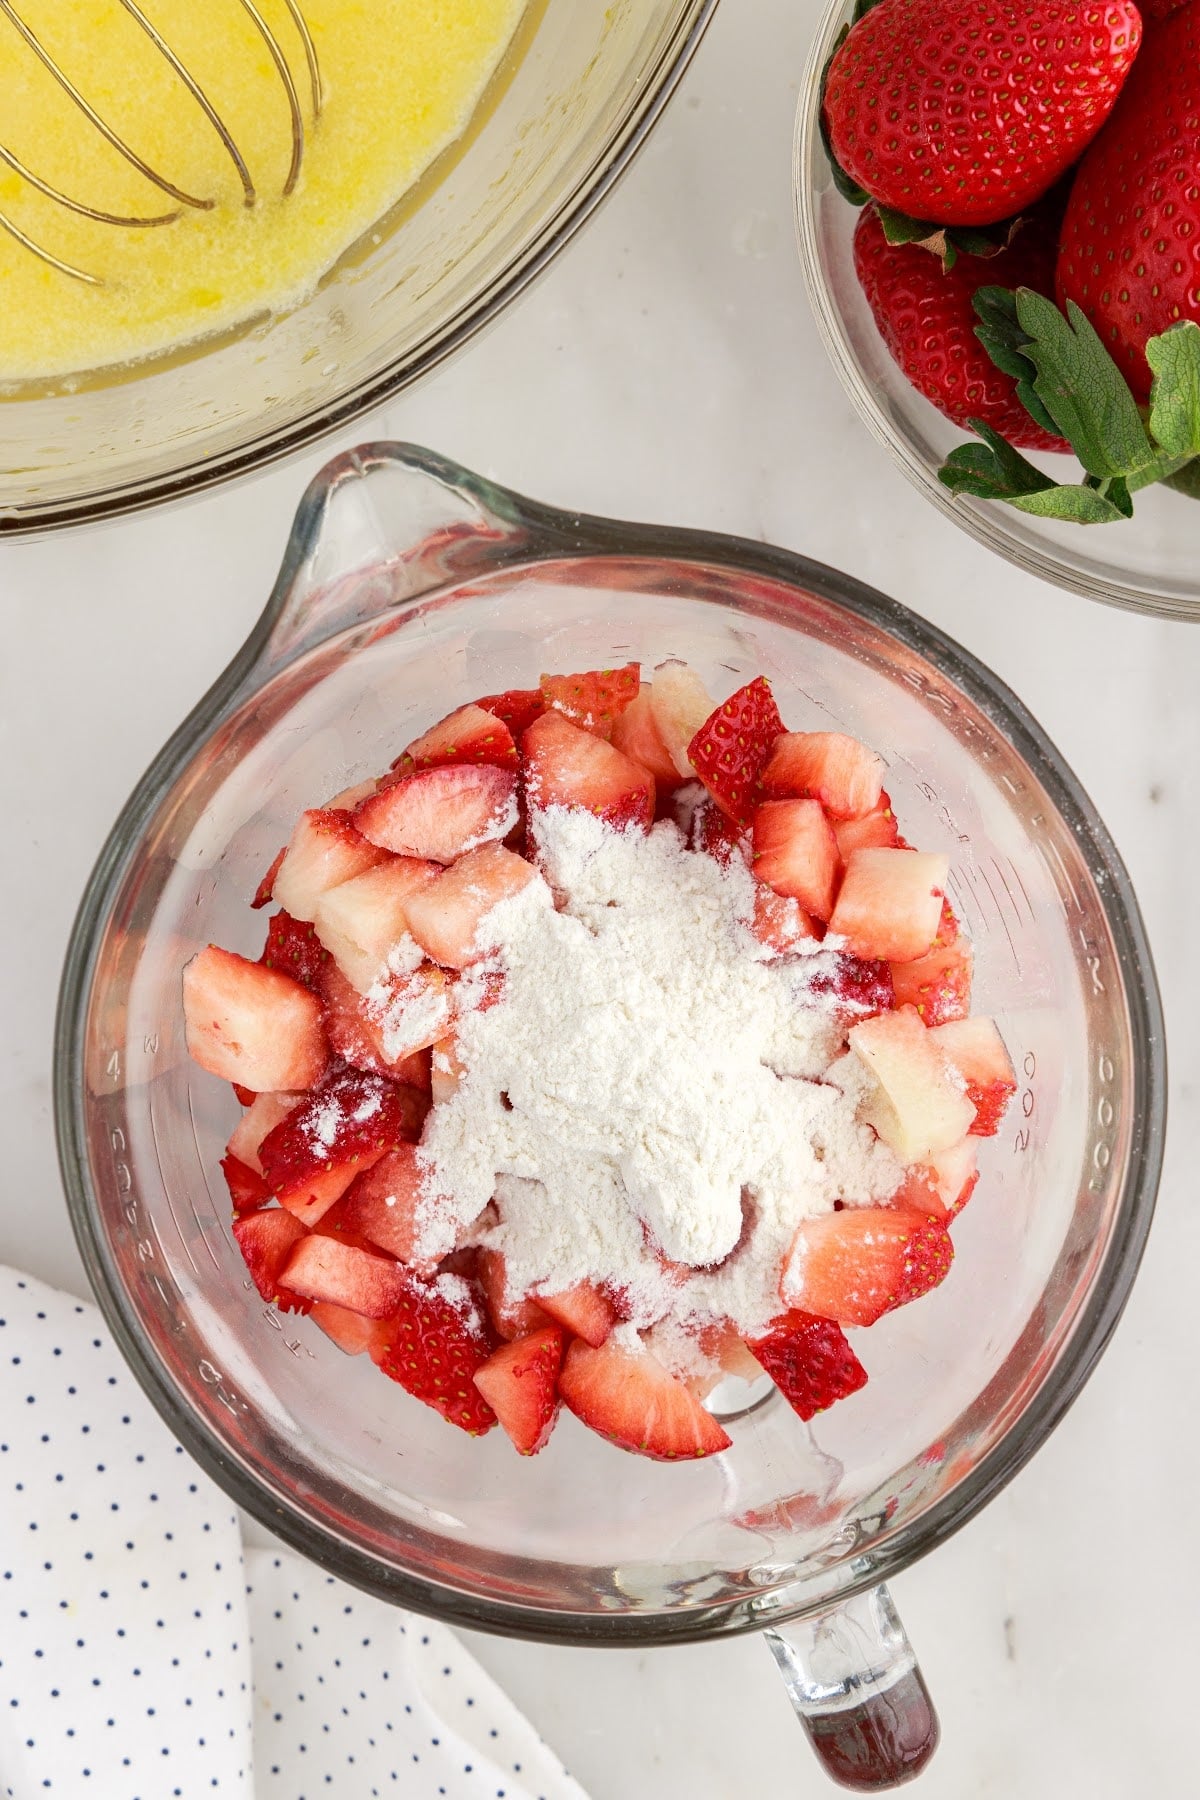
[1147,563]
[580,88]
[410,586]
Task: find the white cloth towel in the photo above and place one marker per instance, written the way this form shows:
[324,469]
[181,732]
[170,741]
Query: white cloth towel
[145,1655]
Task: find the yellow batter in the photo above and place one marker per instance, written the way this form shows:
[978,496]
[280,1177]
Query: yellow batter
[400,80]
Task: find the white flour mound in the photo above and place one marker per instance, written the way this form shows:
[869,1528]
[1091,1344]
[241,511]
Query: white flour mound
[644,1103]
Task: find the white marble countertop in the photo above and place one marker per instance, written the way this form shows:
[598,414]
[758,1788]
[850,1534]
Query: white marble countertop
[667,368]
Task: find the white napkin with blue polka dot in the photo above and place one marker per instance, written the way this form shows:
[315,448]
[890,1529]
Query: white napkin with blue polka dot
[145,1655]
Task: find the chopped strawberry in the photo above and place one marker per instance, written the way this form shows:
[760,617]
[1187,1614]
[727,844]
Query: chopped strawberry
[795,853]
[254,1124]
[350,1331]
[383,1205]
[629,1398]
[862,989]
[470,735]
[733,744]
[890,903]
[916,1104]
[837,770]
[360,1032]
[948,929]
[293,948]
[441,813]
[875,830]
[517,708]
[938,984]
[415,1071]
[714,834]
[342,1128]
[809,1361]
[321,1268]
[582,1310]
[856,1265]
[734,1357]
[779,923]
[519,1381]
[251,1025]
[594,699]
[976,1050]
[245,1096]
[433,1346]
[635,734]
[247,1189]
[325,848]
[943,1184]
[265,890]
[347,798]
[266,1241]
[446,1069]
[445,916]
[511,1318]
[681,703]
[362,922]
[566,766]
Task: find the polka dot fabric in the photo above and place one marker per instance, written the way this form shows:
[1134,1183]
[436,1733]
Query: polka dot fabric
[142,1658]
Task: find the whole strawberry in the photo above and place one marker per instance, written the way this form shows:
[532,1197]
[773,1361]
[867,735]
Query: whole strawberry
[1131,234]
[927,321]
[966,111]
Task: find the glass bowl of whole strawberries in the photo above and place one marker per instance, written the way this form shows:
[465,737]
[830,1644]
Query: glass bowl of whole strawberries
[610,1083]
[999,212]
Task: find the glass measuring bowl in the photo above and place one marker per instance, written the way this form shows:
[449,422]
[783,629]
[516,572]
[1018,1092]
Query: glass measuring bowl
[410,586]
[1146,564]
[575,97]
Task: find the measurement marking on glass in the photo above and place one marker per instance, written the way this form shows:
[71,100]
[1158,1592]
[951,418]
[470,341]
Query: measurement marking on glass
[166,1190]
[999,868]
[983,876]
[196,1139]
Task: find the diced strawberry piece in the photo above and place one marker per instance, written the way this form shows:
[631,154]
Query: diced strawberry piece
[517,708]
[837,770]
[916,1103]
[325,848]
[247,1189]
[976,1050]
[730,749]
[265,890]
[520,1384]
[293,948]
[266,1241]
[245,1096]
[362,922]
[469,735]
[629,1398]
[566,766]
[582,1310]
[446,1069]
[251,1025]
[511,1318]
[434,1345]
[382,1032]
[809,1361]
[442,813]
[681,703]
[856,1265]
[383,1205]
[255,1123]
[721,1341]
[948,929]
[445,916]
[415,1071]
[889,903]
[795,853]
[635,734]
[346,799]
[876,830]
[939,984]
[339,1130]
[714,834]
[943,1185]
[350,1331]
[321,1268]
[861,989]
[779,922]
[594,699]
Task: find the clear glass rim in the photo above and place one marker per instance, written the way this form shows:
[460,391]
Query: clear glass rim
[647,100]
[546,533]
[970,516]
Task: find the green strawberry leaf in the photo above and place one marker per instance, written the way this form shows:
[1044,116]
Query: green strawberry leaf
[1079,505]
[1186,480]
[1082,389]
[947,241]
[1175,391]
[992,470]
[1000,332]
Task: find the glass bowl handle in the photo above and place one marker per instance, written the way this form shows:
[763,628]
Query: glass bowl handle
[853,1678]
[385,524]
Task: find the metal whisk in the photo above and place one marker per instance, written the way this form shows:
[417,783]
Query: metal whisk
[283,69]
